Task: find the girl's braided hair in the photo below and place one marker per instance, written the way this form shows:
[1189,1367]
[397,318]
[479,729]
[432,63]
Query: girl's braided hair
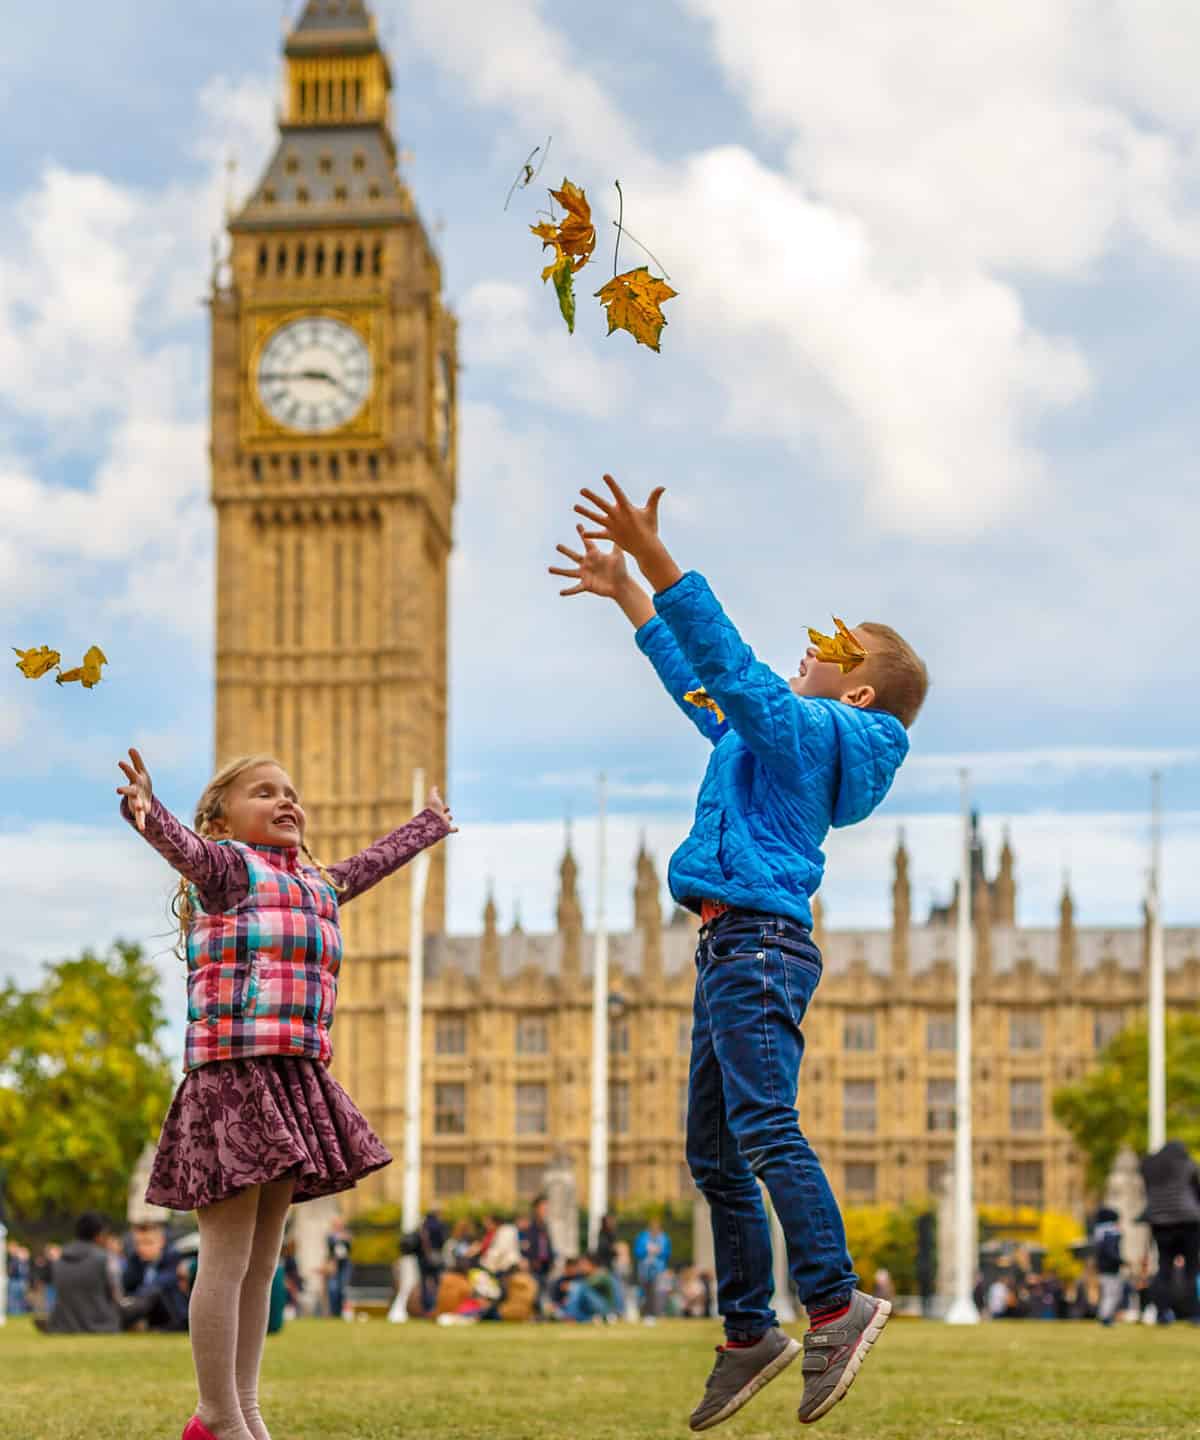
[210,808]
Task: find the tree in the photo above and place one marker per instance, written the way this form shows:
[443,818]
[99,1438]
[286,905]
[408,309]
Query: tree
[83,1087]
[1108,1108]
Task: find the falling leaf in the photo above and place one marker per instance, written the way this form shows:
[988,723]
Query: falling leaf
[704,701]
[88,673]
[842,649]
[574,234]
[633,302]
[35,663]
[564,285]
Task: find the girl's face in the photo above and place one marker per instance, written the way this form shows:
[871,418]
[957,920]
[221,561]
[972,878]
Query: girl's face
[261,808]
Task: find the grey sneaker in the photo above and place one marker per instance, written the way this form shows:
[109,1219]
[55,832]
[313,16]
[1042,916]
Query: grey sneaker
[739,1375]
[834,1352]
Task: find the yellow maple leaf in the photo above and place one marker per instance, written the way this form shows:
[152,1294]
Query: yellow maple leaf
[35,663]
[842,649]
[574,235]
[632,301]
[704,701]
[88,673]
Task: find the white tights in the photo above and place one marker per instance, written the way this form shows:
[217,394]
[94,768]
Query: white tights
[240,1240]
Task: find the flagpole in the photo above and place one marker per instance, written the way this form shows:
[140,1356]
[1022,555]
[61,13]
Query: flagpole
[962,1309]
[598,1186]
[1157,1119]
[411,1206]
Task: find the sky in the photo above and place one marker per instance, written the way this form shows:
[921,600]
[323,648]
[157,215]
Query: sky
[931,362]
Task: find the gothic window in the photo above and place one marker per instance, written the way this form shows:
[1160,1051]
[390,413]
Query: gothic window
[339,255]
[618,1107]
[532,1038]
[319,260]
[301,258]
[344,87]
[860,1182]
[359,259]
[935,1175]
[939,1104]
[360,160]
[858,1030]
[1027,1181]
[304,97]
[281,260]
[358,97]
[450,1037]
[618,1180]
[1025,1030]
[301,195]
[530,1179]
[858,1106]
[1025,1105]
[618,1037]
[294,461]
[373,466]
[377,260]
[292,164]
[264,259]
[325,164]
[340,193]
[940,1032]
[532,1110]
[449,1181]
[256,468]
[1106,1026]
[450,1109]
[373,191]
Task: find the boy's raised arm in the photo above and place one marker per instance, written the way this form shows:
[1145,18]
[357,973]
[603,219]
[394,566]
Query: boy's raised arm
[604,573]
[758,703]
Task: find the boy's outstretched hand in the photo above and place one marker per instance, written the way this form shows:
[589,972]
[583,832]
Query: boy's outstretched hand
[634,528]
[597,573]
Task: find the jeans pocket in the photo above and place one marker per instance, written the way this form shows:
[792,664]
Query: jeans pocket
[800,974]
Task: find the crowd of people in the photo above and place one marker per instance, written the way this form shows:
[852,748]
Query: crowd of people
[504,1270]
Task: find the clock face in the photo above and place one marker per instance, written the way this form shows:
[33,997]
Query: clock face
[314,375]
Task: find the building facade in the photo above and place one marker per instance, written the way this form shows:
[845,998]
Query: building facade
[508,1041]
[333,478]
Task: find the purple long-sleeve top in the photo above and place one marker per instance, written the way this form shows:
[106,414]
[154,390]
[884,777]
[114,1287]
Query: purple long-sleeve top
[219,871]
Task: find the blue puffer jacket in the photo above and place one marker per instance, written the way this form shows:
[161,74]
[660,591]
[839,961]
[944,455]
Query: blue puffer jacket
[783,770]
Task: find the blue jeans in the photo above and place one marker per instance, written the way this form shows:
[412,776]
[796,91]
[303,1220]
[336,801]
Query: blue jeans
[755,975]
[583,1303]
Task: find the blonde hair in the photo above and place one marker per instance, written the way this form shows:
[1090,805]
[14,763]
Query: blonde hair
[209,808]
[897,672]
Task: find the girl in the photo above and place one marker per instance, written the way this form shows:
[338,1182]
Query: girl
[258,1122]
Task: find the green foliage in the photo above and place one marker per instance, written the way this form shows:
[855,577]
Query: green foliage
[1107,1109]
[83,1087]
[884,1235]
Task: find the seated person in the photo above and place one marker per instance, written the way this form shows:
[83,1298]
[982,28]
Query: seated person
[86,1281]
[151,1284]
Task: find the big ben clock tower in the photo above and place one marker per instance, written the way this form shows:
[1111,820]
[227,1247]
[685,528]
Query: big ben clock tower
[333,464]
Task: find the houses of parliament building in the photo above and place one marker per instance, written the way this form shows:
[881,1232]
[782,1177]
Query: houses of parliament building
[334,473]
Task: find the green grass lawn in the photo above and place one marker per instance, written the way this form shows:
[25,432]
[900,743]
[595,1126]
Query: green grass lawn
[327,1380]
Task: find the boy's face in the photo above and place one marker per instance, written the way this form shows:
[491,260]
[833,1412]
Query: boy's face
[261,808]
[823,680]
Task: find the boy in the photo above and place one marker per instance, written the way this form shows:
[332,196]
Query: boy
[791,758]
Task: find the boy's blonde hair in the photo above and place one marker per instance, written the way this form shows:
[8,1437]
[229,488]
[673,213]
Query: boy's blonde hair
[210,807]
[897,672]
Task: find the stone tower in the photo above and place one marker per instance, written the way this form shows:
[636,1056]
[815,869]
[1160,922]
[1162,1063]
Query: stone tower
[333,478]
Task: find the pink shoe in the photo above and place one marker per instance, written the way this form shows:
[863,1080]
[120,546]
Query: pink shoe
[194,1430]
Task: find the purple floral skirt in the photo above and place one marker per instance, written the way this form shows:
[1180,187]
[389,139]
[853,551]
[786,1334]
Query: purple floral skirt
[236,1123]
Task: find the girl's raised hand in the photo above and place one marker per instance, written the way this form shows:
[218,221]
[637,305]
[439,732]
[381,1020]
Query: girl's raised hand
[441,809]
[598,573]
[139,792]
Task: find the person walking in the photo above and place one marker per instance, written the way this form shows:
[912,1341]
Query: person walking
[1172,1211]
[1106,1248]
[652,1255]
[537,1247]
[258,1123]
[431,1260]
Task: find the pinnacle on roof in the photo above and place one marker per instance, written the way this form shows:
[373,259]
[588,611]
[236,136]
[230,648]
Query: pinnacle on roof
[333,15]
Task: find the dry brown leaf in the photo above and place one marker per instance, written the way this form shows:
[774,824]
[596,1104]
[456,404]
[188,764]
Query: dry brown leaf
[842,649]
[35,663]
[633,302]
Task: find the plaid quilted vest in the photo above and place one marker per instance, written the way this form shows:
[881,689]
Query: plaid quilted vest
[262,977]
